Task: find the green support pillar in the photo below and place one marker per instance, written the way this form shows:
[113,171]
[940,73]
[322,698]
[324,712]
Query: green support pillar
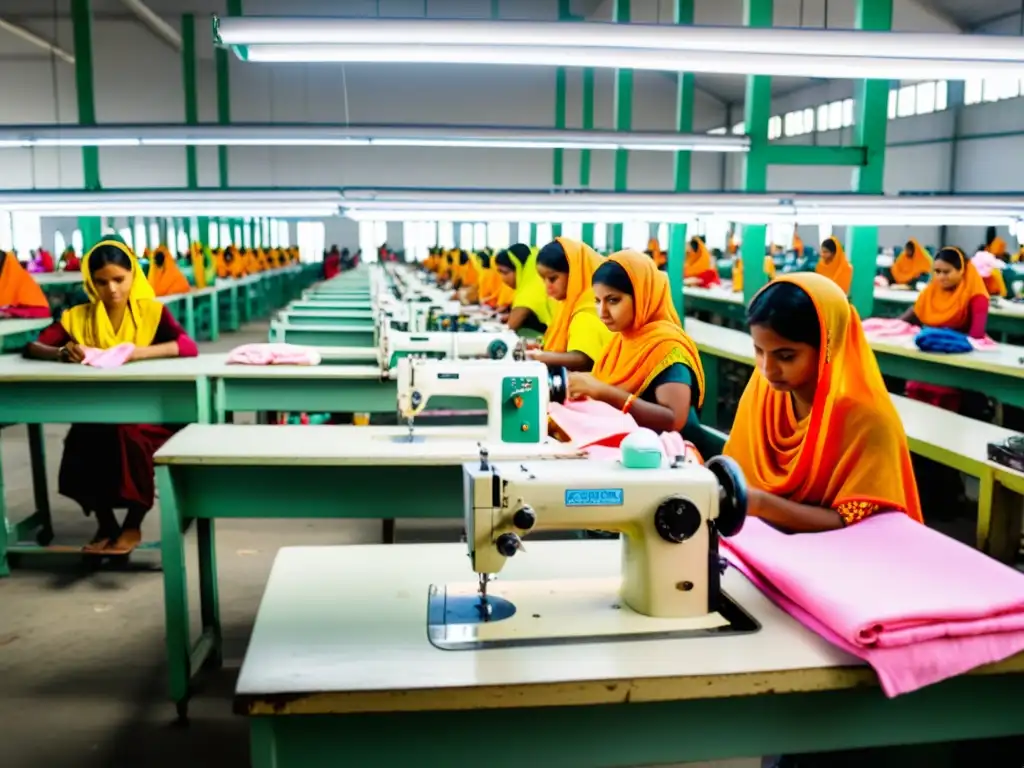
[224,96]
[81,21]
[870,114]
[533,235]
[558,178]
[188,71]
[587,99]
[758,110]
[252,231]
[162,226]
[683,14]
[623,118]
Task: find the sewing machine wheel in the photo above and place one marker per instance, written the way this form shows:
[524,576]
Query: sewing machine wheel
[732,504]
[497,349]
[558,384]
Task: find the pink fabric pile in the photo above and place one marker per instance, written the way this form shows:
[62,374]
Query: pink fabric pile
[114,357]
[917,606]
[986,263]
[599,429]
[273,354]
[895,330]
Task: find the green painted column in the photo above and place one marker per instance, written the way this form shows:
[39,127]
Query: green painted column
[188,79]
[81,21]
[533,235]
[224,96]
[162,226]
[682,14]
[587,100]
[870,115]
[623,119]
[558,177]
[758,110]
[252,231]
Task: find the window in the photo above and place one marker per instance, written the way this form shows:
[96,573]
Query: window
[544,235]
[6,233]
[380,233]
[809,120]
[793,124]
[835,115]
[418,237]
[847,112]
[27,233]
[183,241]
[973,90]
[892,104]
[823,117]
[247,236]
[600,238]
[941,95]
[905,101]
[60,244]
[311,237]
[125,234]
[225,235]
[236,232]
[573,230]
[774,127]
[446,234]
[466,236]
[479,236]
[635,235]
[172,236]
[154,234]
[367,240]
[925,99]
[213,234]
[523,232]
[717,131]
[999,88]
[739,129]
[498,234]
[76,242]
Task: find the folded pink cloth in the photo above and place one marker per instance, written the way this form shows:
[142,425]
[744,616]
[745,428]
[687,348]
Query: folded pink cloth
[917,606]
[986,263]
[599,429]
[108,358]
[890,328]
[273,354]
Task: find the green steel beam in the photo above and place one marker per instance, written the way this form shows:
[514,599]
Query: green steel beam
[788,154]
[682,14]
[558,154]
[81,21]
[623,118]
[758,110]
[587,100]
[188,72]
[870,114]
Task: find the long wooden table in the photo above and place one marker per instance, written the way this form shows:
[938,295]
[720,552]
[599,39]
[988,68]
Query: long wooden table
[339,670]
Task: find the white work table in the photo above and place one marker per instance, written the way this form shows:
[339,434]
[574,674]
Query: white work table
[340,633]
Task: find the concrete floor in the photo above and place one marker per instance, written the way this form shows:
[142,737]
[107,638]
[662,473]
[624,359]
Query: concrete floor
[82,681]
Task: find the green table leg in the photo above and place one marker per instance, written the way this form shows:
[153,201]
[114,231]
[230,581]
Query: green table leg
[246,302]
[234,315]
[37,452]
[172,556]
[4,523]
[214,316]
[208,595]
[190,316]
[710,413]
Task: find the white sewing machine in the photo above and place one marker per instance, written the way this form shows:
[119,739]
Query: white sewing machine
[492,345]
[669,518]
[517,393]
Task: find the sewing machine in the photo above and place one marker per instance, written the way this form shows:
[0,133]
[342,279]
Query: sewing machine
[517,393]
[669,517]
[492,345]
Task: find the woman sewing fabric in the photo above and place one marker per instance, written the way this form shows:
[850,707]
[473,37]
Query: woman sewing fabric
[911,264]
[165,276]
[650,369]
[576,336]
[20,296]
[954,298]
[699,268]
[531,309]
[816,432]
[110,466]
[834,265]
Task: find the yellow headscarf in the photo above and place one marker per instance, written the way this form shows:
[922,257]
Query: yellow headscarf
[737,272]
[530,291]
[89,324]
[575,326]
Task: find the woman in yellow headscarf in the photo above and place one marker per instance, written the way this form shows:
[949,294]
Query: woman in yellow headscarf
[911,264]
[699,268]
[737,272]
[650,369]
[531,308]
[832,263]
[204,268]
[576,336]
[164,275]
[110,466]
[816,433]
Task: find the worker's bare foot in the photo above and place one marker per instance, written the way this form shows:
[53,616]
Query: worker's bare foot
[106,533]
[129,539]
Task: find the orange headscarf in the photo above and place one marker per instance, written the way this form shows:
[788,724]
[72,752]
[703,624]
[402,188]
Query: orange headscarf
[490,283]
[839,271]
[852,446]
[906,269]
[469,275]
[997,247]
[655,340]
[938,308]
[654,249]
[698,262]
[165,277]
[737,272]
[579,292]
[798,244]
[17,288]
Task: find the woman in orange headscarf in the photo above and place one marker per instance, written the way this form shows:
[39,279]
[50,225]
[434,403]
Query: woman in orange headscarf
[655,252]
[737,272]
[493,291]
[833,264]
[576,337]
[650,368]
[797,245]
[699,268]
[469,278]
[911,264]
[954,298]
[19,294]
[816,433]
[165,276]
[110,466]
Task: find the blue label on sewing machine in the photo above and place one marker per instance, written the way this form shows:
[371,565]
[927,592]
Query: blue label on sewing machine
[593,497]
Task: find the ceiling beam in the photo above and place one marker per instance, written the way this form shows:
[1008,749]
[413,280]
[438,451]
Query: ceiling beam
[154,23]
[36,40]
[929,6]
[994,19]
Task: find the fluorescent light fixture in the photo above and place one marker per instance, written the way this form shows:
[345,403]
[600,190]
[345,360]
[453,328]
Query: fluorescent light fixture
[238,203]
[466,136]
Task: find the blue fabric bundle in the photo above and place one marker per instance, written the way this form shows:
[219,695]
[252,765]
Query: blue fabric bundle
[944,340]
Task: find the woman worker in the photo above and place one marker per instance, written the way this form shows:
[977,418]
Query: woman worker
[699,268]
[816,433]
[110,466]
[650,368]
[911,264]
[165,276]
[834,265]
[955,297]
[576,336]
[530,309]
[20,296]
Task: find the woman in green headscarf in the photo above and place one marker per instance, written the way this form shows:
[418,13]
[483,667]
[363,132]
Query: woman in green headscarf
[531,307]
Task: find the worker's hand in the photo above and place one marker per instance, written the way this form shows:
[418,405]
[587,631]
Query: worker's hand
[74,352]
[584,385]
